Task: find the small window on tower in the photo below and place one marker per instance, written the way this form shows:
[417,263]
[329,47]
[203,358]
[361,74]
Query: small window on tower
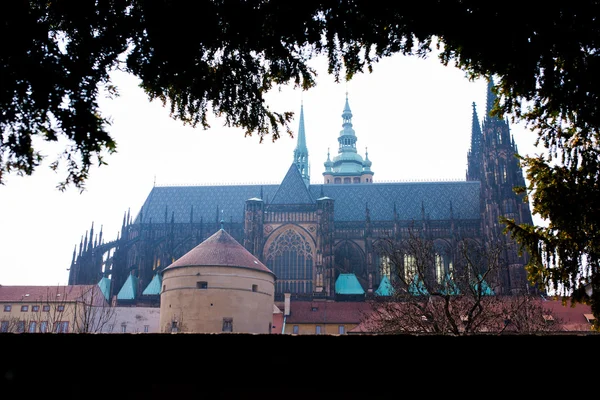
[254,288]
[227,324]
[202,285]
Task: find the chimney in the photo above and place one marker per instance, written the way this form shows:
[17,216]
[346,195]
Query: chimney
[286,304]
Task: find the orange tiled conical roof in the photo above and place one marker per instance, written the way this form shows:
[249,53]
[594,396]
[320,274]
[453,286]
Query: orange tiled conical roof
[220,250]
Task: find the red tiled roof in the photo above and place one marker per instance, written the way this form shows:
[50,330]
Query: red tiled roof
[221,249]
[342,312]
[570,318]
[51,293]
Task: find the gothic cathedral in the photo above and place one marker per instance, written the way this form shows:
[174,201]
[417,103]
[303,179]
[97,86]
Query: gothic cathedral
[308,234]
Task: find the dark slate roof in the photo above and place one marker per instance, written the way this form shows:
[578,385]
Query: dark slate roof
[206,202]
[410,197]
[350,200]
[221,249]
[293,190]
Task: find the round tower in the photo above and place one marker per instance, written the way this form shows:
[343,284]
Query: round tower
[218,286]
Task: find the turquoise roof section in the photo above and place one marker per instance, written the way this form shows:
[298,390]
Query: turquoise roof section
[417,287]
[385,287]
[128,291]
[104,286]
[449,286]
[154,285]
[485,288]
[348,284]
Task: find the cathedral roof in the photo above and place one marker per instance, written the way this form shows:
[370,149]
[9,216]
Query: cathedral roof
[154,285]
[348,284]
[385,287]
[485,288]
[104,286]
[417,287]
[293,189]
[129,289]
[208,201]
[449,286]
[219,250]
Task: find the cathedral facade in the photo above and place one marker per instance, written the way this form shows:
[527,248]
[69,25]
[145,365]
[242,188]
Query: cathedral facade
[309,234]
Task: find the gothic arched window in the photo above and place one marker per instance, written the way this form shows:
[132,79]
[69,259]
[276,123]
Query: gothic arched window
[349,259]
[290,257]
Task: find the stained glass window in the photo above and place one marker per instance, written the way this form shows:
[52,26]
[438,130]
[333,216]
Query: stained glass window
[290,257]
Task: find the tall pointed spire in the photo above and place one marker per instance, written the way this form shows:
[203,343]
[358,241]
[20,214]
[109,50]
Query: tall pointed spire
[491,97]
[474,156]
[301,151]
[347,114]
[85,242]
[475,131]
[91,242]
[74,255]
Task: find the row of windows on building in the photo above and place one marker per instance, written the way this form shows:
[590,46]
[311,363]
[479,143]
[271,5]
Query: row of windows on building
[111,328]
[46,308]
[350,180]
[319,329]
[35,327]
[442,267]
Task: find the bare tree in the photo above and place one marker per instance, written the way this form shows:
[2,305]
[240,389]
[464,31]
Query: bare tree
[92,311]
[448,290]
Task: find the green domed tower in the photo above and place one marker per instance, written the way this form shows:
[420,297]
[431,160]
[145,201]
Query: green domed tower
[348,166]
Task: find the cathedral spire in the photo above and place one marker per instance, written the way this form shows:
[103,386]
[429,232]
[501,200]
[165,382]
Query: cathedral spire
[328,164]
[491,98]
[475,131]
[74,255]
[91,242]
[348,166]
[474,156]
[301,151]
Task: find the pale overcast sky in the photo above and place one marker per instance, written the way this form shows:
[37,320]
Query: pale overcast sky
[413,115]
